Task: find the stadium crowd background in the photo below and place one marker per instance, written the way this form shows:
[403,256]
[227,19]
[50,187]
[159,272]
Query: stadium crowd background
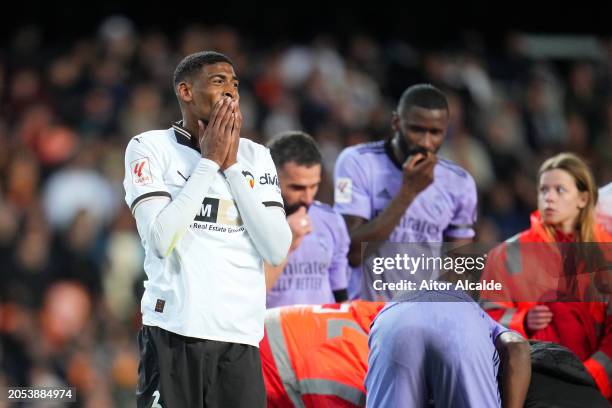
[70,258]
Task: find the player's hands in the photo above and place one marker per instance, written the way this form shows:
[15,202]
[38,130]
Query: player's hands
[538,317]
[236,121]
[215,139]
[418,171]
[300,226]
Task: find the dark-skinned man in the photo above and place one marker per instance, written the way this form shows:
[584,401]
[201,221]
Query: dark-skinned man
[400,191]
[207,225]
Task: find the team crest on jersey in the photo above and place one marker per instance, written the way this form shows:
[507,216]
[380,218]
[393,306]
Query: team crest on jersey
[344,190]
[249,176]
[141,172]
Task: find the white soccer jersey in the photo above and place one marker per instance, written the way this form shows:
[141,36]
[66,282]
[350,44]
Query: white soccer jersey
[212,284]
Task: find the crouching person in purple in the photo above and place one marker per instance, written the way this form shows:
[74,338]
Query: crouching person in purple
[315,271]
[439,348]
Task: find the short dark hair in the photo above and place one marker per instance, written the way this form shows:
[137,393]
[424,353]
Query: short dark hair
[294,146]
[193,63]
[424,96]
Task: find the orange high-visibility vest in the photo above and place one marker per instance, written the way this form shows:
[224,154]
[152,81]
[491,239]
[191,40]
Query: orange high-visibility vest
[583,327]
[316,356]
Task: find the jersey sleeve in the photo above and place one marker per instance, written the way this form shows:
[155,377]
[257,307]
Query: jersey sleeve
[143,174]
[495,328]
[267,185]
[338,268]
[464,218]
[351,195]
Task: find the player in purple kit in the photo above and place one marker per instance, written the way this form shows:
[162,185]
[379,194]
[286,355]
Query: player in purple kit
[315,271]
[441,347]
[399,190]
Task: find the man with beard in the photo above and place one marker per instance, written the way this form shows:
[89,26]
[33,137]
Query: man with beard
[399,191]
[315,272]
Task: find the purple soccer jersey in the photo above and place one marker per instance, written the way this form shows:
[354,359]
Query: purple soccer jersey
[318,266]
[366,179]
[438,345]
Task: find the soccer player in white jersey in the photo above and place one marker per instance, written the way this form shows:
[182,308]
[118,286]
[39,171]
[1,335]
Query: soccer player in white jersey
[207,224]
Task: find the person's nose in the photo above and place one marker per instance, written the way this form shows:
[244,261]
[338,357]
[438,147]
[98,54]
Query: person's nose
[231,91]
[427,142]
[307,197]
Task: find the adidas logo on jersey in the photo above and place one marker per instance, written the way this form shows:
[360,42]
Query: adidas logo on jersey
[384,194]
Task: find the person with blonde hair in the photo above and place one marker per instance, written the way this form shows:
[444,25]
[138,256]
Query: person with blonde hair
[554,273]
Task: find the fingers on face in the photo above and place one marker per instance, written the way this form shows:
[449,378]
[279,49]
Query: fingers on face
[226,120]
[429,160]
[216,113]
[231,125]
[419,160]
[237,123]
[222,113]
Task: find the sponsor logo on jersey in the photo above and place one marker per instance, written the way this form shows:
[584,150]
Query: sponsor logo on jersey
[268,179]
[427,228]
[218,211]
[343,193]
[141,172]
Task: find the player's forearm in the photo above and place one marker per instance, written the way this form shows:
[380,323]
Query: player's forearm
[515,369]
[380,228]
[273,273]
[169,225]
[267,227]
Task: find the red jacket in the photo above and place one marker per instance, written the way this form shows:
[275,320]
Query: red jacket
[526,271]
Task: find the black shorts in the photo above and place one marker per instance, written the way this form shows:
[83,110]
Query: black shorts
[184,372]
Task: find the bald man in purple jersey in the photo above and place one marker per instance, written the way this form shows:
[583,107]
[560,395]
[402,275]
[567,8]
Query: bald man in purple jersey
[400,191]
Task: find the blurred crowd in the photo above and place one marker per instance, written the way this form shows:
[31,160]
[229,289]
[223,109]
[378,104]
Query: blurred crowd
[70,258]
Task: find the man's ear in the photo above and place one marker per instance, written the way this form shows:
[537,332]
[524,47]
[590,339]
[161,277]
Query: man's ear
[183,91]
[395,122]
